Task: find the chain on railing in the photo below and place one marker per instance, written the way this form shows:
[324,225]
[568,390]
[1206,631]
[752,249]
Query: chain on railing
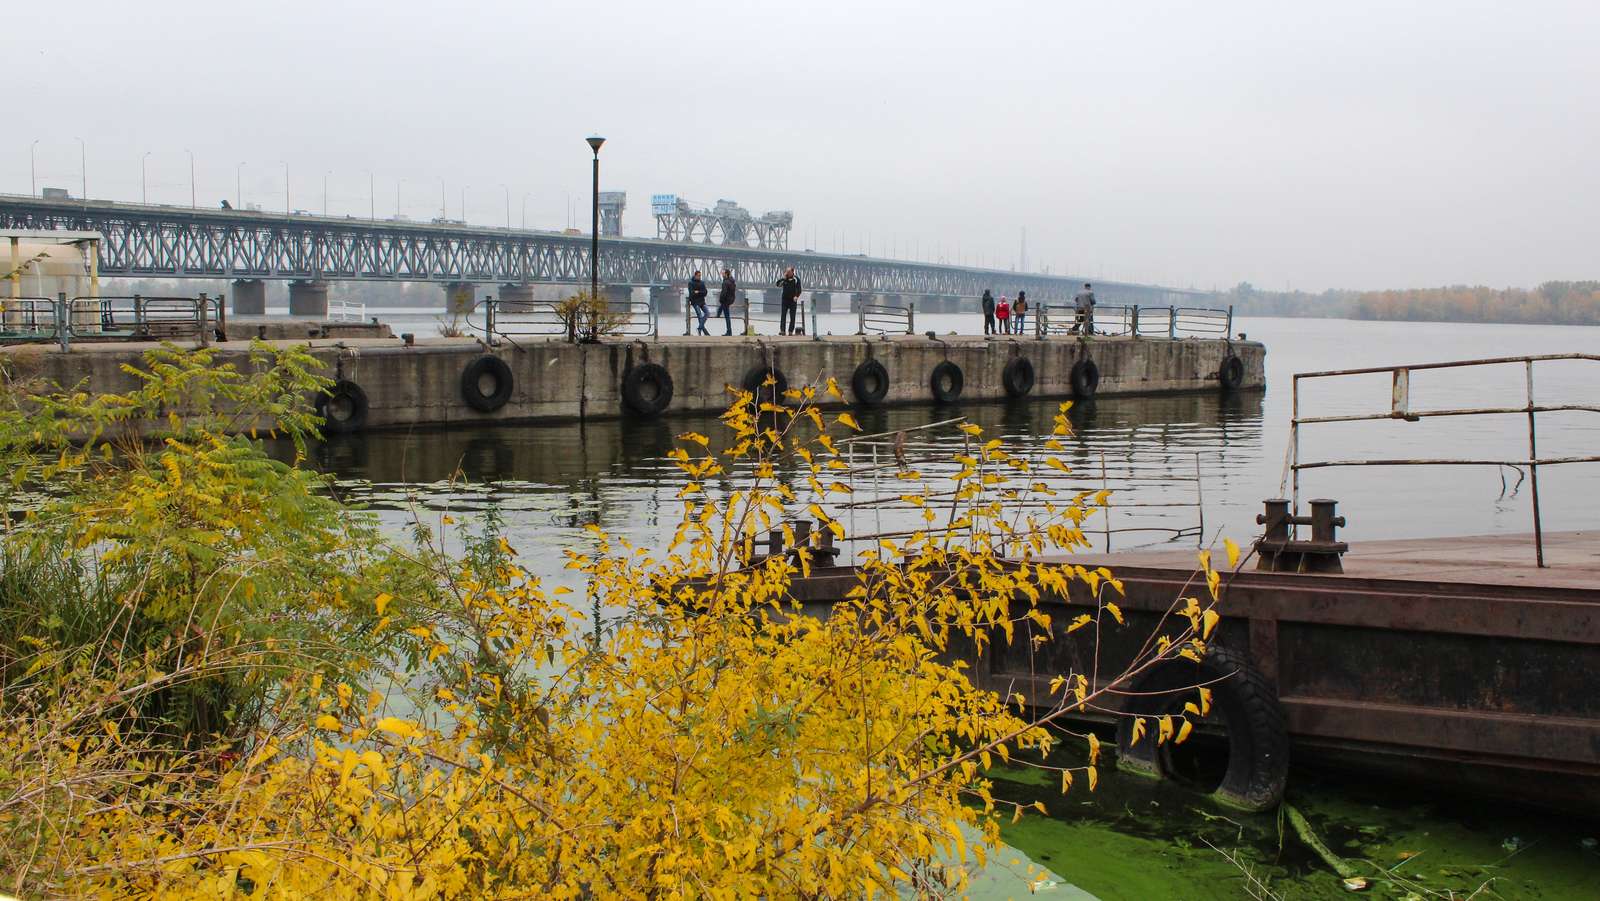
[1400,409]
[886,320]
[542,319]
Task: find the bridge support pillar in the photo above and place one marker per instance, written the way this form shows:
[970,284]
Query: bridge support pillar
[460,298]
[766,301]
[859,300]
[618,296]
[308,298]
[249,297]
[822,301]
[894,300]
[516,298]
[667,299]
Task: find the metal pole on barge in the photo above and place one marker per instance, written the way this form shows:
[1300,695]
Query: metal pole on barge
[1533,472]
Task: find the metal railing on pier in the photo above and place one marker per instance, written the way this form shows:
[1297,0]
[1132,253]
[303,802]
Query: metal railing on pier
[750,321]
[515,319]
[28,319]
[1400,409]
[340,310]
[1156,322]
[886,320]
[141,317]
[134,317]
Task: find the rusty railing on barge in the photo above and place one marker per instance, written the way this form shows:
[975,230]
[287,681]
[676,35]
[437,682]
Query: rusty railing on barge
[1400,408]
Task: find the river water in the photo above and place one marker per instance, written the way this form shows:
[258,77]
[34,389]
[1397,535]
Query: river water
[1176,465]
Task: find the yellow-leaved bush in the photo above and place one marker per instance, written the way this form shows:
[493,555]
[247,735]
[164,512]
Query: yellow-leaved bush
[693,725]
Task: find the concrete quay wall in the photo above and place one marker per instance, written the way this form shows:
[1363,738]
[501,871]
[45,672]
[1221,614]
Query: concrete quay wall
[422,384]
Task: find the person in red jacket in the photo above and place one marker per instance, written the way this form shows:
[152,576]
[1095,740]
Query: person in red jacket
[1002,312]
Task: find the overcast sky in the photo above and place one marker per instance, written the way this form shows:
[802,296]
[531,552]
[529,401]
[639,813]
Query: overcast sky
[1319,145]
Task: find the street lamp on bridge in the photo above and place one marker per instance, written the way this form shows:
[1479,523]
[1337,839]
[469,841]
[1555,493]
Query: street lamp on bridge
[144,191]
[594,233]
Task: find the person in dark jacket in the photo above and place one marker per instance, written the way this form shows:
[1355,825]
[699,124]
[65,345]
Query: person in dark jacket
[697,299]
[988,312]
[730,289]
[789,314]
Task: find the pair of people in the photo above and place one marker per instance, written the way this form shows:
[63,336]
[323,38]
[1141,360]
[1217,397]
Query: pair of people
[1004,317]
[725,296]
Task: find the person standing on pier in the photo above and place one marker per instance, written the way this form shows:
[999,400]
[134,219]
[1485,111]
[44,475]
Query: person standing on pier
[697,299]
[1019,312]
[789,314]
[988,312]
[725,297]
[1083,303]
[1002,315]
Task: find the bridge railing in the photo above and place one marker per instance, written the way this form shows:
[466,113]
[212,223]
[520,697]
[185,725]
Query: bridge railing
[542,319]
[28,319]
[886,320]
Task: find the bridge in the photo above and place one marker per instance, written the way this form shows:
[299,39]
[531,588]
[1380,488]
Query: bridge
[309,251]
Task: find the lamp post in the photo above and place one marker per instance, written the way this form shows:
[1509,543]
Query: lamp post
[238,186]
[325,193]
[594,233]
[83,166]
[507,189]
[525,208]
[33,169]
[192,204]
[463,203]
[144,193]
[285,186]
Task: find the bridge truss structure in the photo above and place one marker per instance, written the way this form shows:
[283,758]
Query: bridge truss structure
[727,224]
[143,241]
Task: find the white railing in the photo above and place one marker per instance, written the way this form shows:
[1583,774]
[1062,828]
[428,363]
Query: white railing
[340,310]
[886,320]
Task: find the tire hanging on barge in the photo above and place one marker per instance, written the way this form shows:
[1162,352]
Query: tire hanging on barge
[1085,379]
[343,408]
[486,383]
[1017,377]
[1254,769]
[870,383]
[946,382]
[754,381]
[1231,373]
[647,389]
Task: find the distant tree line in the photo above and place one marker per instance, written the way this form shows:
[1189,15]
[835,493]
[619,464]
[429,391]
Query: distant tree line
[1552,303]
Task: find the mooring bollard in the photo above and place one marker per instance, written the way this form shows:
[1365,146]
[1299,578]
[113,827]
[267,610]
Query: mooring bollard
[911,319]
[200,314]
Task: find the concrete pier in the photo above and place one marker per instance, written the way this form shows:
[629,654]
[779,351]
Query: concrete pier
[460,297]
[822,301]
[516,298]
[668,299]
[308,299]
[617,296]
[859,300]
[420,385]
[249,297]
